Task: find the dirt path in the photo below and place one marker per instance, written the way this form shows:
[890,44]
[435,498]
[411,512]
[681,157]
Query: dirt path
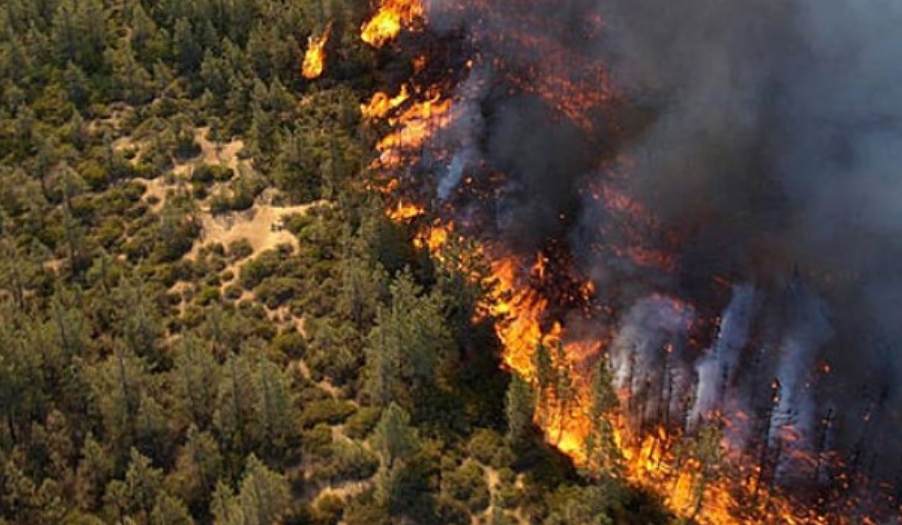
[223,154]
[324,385]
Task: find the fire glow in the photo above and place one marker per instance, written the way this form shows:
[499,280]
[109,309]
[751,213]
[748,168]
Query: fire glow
[732,481]
[315,57]
[392,16]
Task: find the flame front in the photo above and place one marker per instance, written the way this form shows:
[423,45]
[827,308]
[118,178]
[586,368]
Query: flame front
[727,487]
[315,57]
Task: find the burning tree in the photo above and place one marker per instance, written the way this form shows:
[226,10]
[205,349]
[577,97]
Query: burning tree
[650,327]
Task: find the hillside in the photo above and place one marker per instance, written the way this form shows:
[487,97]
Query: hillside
[207,317]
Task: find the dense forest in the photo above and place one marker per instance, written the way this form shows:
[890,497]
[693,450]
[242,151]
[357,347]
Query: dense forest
[205,317]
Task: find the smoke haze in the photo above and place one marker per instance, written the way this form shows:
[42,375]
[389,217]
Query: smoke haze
[765,139]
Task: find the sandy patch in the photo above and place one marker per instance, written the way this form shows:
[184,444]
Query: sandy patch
[260,225]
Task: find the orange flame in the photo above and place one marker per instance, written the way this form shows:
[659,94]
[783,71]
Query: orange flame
[315,57]
[392,16]
[522,318]
[405,211]
[381,104]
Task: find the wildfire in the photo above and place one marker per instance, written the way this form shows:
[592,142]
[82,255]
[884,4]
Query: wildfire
[392,16]
[315,57]
[717,485]
[405,211]
[412,129]
[381,104]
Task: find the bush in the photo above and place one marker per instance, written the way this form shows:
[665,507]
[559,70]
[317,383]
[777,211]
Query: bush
[329,411]
[275,291]
[240,249]
[467,484]
[484,444]
[350,462]
[290,344]
[232,292]
[328,510]
[207,295]
[209,173]
[365,511]
[317,441]
[94,175]
[359,425]
[253,272]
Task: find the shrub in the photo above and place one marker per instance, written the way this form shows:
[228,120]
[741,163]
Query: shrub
[207,295]
[328,510]
[362,422]
[291,344]
[350,461]
[253,272]
[317,441]
[209,173]
[232,292]
[275,291]
[467,484]
[329,411]
[484,444]
[240,249]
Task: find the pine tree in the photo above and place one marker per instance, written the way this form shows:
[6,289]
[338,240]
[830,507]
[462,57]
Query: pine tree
[235,412]
[263,499]
[196,378]
[276,411]
[396,441]
[410,344]
[563,388]
[93,473]
[545,379]
[601,445]
[197,469]
[706,453]
[519,408]
[170,511]
[143,484]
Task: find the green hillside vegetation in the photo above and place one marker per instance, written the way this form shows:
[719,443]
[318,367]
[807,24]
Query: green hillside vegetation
[159,367]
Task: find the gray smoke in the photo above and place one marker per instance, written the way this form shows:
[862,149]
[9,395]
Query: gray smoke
[765,137]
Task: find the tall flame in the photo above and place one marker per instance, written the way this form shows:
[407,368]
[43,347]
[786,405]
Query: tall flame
[392,16]
[315,57]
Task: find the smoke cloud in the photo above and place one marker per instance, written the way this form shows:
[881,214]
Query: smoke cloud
[764,138]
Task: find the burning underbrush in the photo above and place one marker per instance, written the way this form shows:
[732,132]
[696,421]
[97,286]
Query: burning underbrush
[720,353]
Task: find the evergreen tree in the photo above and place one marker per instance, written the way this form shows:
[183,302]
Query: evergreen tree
[263,499]
[170,511]
[410,344]
[196,378]
[396,441]
[94,472]
[276,411]
[519,408]
[235,410]
[196,471]
[601,446]
[545,379]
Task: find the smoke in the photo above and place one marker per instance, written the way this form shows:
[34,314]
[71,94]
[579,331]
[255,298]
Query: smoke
[765,139]
[717,370]
[775,148]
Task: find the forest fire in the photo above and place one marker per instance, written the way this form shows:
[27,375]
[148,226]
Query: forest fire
[315,56]
[392,16]
[717,368]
